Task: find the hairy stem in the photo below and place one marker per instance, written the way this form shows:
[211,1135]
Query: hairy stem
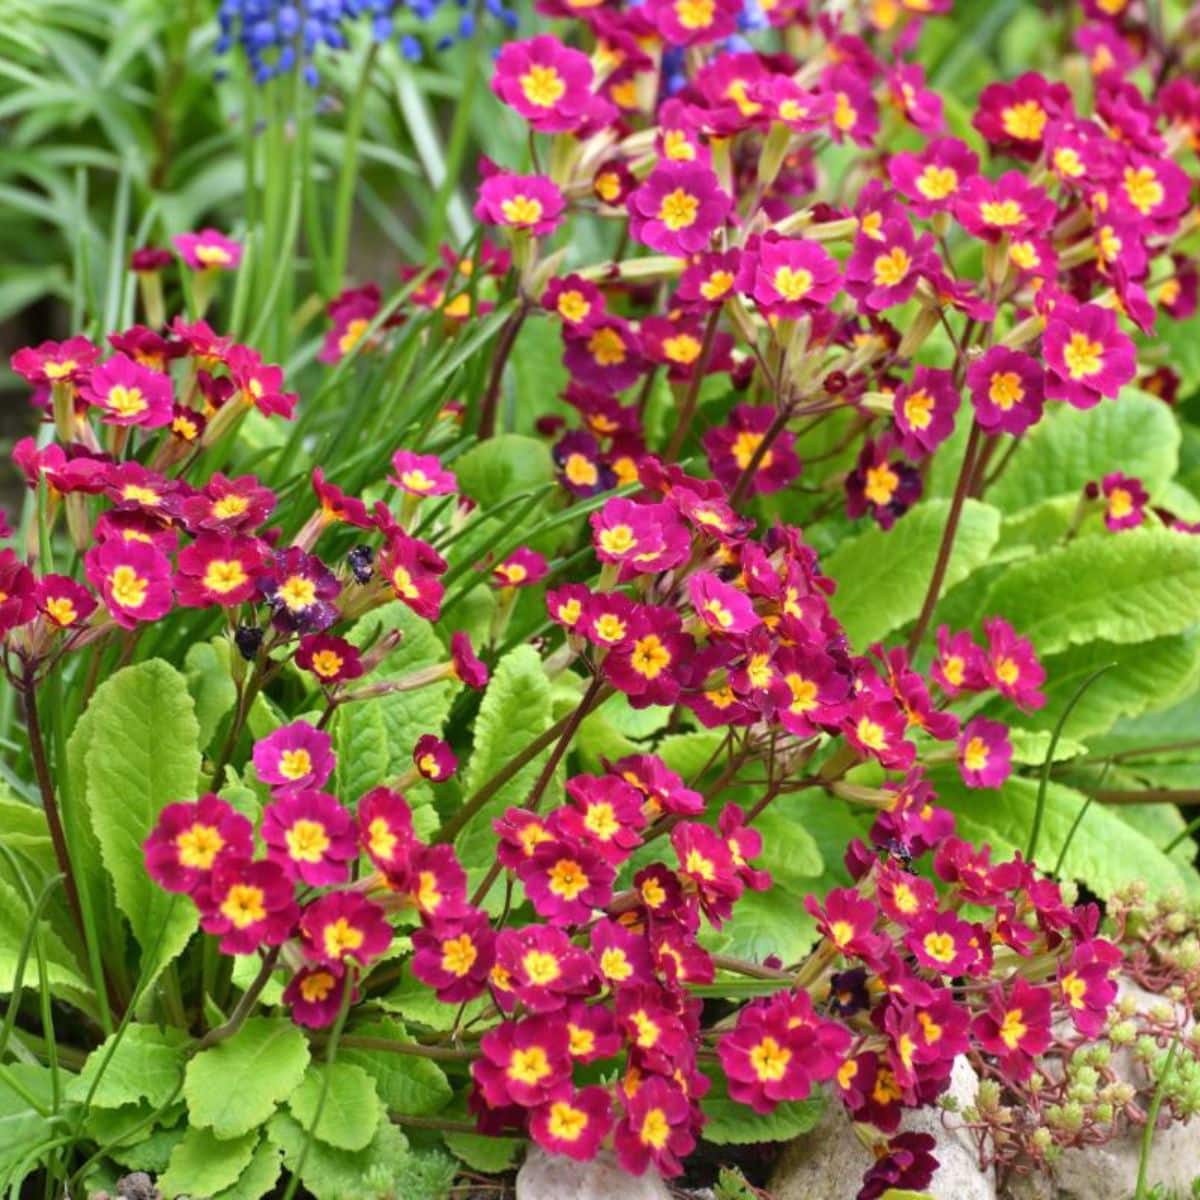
[942,562]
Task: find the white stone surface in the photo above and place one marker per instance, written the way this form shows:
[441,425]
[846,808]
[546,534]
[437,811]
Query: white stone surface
[828,1164]
[552,1177]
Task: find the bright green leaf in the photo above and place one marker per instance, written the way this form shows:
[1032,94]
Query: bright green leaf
[1070,447]
[882,576]
[491,1155]
[407,1083]
[332,1174]
[514,711]
[259,1176]
[234,1086]
[1128,587]
[203,1164]
[349,1114]
[146,1065]
[206,668]
[143,754]
[504,466]
[733,1124]
[1004,818]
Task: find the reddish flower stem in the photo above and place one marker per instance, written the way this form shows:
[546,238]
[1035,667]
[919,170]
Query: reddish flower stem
[491,398]
[942,562]
[41,768]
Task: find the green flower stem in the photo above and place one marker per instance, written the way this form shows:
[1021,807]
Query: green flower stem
[343,212]
[933,593]
[331,1052]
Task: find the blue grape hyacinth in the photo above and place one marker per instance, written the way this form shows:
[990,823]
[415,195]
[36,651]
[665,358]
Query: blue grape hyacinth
[278,37]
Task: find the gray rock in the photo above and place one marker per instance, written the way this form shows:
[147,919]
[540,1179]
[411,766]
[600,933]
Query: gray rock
[828,1164]
[552,1177]
[1110,1172]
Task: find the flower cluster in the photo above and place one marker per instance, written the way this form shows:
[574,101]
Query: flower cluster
[278,36]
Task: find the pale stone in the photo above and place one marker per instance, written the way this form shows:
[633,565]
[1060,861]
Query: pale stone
[1109,1172]
[829,1162]
[552,1177]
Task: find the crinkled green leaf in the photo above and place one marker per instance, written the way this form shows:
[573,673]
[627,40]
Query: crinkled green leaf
[349,1112]
[491,1155]
[415,1002]
[1004,818]
[1070,447]
[143,754]
[234,1086]
[734,1124]
[687,753]
[203,1165]
[1127,587]
[332,1174]
[1143,675]
[406,715]
[22,1127]
[259,1176]
[514,711]
[407,1083]
[882,576]
[145,1066]
[361,743]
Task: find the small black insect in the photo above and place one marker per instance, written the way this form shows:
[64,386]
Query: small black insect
[361,560]
[248,640]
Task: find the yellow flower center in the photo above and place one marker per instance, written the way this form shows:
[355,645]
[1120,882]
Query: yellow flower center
[529,1066]
[770,1060]
[542,86]
[61,611]
[199,846]
[939,947]
[127,401]
[128,587]
[341,938]
[298,592]
[1001,213]
[892,267]
[459,955]
[1013,1028]
[936,183]
[567,879]
[918,409]
[566,1123]
[678,209]
[295,764]
[521,210]
[224,575]
[1143,189]
[1083,356]
[650,657]
[244,905]
[881,484]
[793,284]
[307,841]
[695,14]
[1024,121]
[607,347]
